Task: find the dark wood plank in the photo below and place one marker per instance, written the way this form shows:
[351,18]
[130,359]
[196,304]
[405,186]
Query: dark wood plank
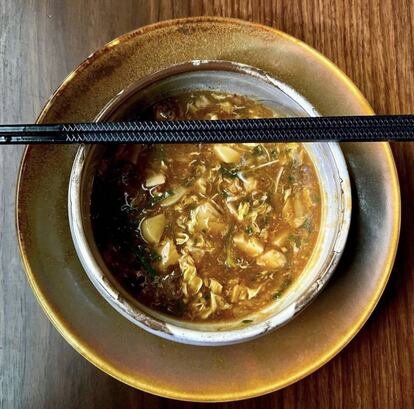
[41,41]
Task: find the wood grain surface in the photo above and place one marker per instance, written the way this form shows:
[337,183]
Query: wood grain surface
[41,41]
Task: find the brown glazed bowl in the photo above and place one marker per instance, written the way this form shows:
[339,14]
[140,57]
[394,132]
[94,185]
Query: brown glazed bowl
[187,372]
[329,164]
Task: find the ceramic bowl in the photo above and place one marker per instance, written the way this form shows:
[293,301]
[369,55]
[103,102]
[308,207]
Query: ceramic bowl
[331,170]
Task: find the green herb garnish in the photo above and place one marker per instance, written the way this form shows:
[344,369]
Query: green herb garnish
[154,256]
[228,172]
[247,321]
[291,179]
[144,259]
[296,239]
[307,225]
[315,198]
[128,206]
[157,199]
[249,230]
[286,283]
[257,150]
[277,295]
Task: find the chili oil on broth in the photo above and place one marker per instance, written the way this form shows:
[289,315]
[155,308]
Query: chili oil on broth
[206,232]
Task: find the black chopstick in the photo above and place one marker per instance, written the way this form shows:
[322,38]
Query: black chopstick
[306,129]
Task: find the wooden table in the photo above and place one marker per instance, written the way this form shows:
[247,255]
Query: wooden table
[41,41]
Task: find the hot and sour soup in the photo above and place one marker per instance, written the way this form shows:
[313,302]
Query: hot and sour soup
[206,232]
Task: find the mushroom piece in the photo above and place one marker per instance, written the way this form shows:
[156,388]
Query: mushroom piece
[207,217]
[168,253]
[250,184]
[252,292]
[294,211]
[271,259]
[280,238]
[227,154]
[176,196]
[251,246]
[153,228]
[155,180]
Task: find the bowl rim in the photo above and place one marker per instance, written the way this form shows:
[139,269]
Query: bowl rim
[200,66]
[168,329]
[83,348]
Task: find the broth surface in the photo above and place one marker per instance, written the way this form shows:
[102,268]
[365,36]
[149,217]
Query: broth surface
[206,232]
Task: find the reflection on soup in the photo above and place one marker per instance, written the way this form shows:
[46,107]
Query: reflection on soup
[206,232]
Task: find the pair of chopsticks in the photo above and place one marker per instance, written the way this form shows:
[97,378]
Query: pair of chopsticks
[309,129]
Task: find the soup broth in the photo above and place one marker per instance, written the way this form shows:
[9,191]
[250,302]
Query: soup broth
[206,232]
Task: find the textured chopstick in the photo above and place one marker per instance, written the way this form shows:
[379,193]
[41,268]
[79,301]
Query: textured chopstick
[309,129]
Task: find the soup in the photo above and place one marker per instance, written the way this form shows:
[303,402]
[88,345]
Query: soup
[206,232]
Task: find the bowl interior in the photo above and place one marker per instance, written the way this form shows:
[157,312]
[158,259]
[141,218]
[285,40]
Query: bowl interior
[329,164]
[224,76]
